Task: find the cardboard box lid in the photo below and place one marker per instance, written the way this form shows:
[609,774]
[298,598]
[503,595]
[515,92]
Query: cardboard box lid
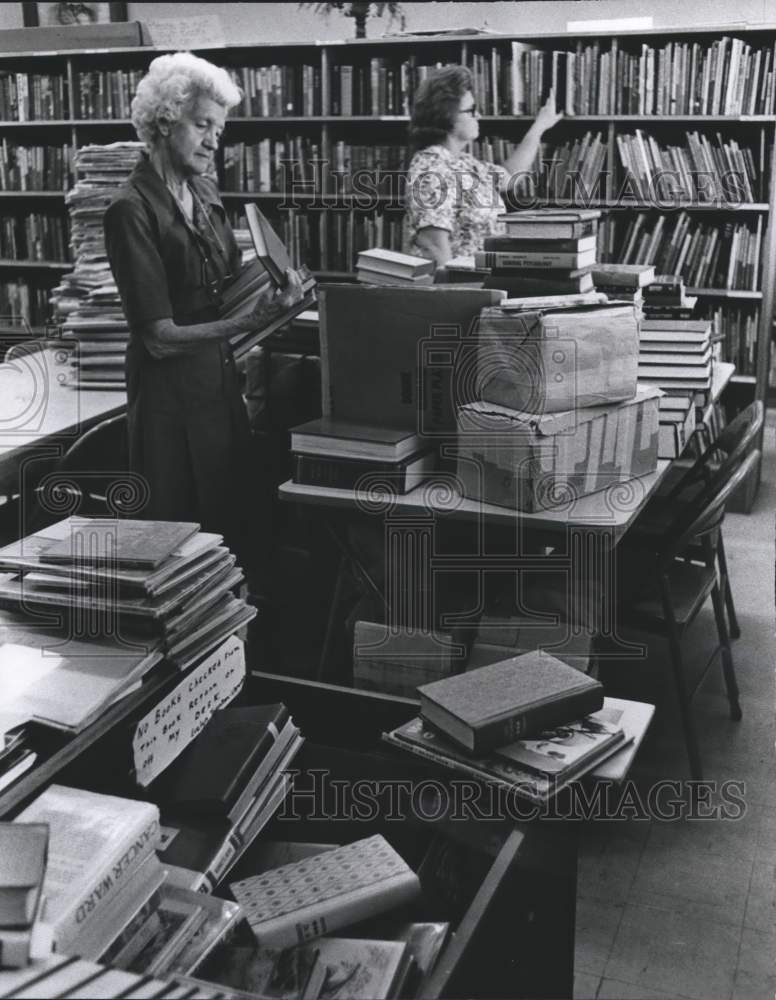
[501,418]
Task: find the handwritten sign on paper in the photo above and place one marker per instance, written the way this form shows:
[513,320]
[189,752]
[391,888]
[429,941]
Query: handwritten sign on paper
[169,727]
[179,33]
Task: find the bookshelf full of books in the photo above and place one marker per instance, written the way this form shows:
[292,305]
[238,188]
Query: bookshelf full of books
[669,132]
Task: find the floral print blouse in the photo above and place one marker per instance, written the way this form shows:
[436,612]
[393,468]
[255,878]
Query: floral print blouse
[456,192]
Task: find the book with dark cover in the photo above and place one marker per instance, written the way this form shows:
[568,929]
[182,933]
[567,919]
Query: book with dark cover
[212,772]
[528,282]
[23,854]
[142,544]
[509,700]
[513,244]
[348,473]
[269,249]
[348,439]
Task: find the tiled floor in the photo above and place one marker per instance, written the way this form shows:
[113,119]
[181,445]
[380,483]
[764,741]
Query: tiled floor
[687,907]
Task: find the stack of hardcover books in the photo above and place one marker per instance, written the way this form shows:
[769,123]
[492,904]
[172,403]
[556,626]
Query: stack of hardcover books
[530,723]
[340,454]
[676,356]
[544,252]
[118,596]
[623,281]
[388,267]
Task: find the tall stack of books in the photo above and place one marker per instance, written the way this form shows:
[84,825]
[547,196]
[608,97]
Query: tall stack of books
[544,252]
[676,356]
[340,454]
[530,723]
[120,596]
[87,302]
[623,281]
[387,267]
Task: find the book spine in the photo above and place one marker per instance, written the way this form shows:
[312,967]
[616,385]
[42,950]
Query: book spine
[345,475]
[490,259]
[535,719]
[88,907]
[322,918]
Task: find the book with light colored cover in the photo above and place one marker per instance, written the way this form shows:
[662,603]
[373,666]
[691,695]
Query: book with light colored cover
[311,898]
[97,844]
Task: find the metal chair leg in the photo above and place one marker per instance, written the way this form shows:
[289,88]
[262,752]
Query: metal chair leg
[735,631]
[728,669]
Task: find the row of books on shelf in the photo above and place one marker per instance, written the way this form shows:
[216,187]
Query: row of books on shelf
[105,93]
[34,236]
[736,329]
[35,168]
[28,97]
[272,165]
[726,77]
[380,87]
[274,91]
[706,255]
[23,302]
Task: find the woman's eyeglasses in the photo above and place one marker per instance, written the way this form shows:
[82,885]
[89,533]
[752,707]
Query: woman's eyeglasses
[468,111]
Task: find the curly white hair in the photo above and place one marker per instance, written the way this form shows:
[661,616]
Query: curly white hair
[171,85]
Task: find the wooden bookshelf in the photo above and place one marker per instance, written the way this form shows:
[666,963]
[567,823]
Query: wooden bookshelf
[327,225]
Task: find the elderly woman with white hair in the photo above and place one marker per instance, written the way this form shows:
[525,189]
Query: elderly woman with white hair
[172,251]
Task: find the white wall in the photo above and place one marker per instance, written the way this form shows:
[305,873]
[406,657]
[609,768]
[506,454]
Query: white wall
[285,22]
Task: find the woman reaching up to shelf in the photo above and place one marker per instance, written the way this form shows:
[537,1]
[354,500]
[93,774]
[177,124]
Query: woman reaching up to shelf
[172,251]
[453,200]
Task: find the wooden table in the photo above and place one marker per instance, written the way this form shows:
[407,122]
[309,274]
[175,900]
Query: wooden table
[41,416]
[583,534]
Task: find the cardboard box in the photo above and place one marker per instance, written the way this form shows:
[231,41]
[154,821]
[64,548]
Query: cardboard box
[533,463]
[398,661]
[550,362]
[402,357]
[55,38]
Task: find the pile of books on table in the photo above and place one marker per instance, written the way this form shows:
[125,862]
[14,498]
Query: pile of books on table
[340,454]
[530,724]
[388,267]
[91,606]
[665,298]
[544,252]
[87,301]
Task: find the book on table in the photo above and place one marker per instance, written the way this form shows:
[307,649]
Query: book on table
[549,259]
[625,275]
[334,472]
[551,224]
[390,262]
[369,277]
[496,704]
[348,439]
[513,244]
[125,542]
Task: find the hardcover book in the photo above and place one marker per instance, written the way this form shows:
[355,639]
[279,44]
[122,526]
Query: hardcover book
[548,259]
[512,244]
[97,844]
[308,899]
[390,262]
[139,544]
[23,854]
[497,704]
[627,275]
[348,439]
[270,251]
[210,774]
[350,474]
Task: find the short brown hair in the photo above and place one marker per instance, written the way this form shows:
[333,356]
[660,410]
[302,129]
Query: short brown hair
[437,102]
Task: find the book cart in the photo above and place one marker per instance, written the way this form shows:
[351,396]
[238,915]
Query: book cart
[507,888]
